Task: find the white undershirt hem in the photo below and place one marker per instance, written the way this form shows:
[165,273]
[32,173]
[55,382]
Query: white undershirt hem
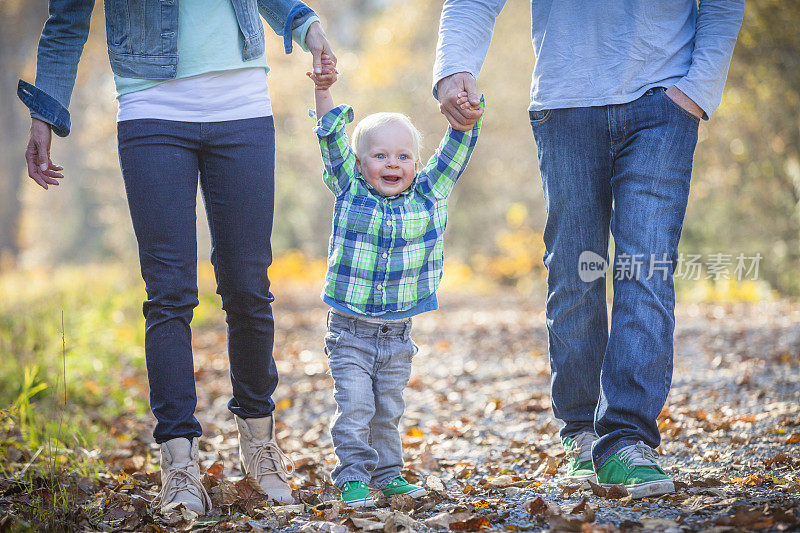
[211,97]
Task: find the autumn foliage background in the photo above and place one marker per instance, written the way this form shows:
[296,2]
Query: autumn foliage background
[69,383]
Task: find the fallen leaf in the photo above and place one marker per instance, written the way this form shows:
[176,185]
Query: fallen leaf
[617,492]
[367,524]
[323,527]
[756,480]
[434,483]
[215,470]
[539,507]
[472,524]
[328,511]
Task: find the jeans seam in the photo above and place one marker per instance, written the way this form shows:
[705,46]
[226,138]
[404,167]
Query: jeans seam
[340,483]
[544,119]
[624,123]
[611,451]
[382,485]
[209,203]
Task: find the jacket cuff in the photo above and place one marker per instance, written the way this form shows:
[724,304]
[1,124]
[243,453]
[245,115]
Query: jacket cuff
[300,32]
[44,107]
[297,16]
[334,120]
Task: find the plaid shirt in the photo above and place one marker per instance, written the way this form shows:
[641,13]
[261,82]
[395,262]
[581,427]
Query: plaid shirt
[386,253]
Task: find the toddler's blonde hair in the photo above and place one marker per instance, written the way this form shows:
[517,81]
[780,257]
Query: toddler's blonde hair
[376,120]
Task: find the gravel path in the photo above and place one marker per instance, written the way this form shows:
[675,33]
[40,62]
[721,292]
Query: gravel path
[478,416]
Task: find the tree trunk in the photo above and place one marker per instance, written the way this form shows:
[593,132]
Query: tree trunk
[20,26]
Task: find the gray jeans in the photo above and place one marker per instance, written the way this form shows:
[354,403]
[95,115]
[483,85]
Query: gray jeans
[370,362]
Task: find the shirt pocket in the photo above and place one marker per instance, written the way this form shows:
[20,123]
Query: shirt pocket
[414,222]
[361,216]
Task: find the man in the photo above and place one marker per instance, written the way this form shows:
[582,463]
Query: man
[619,88]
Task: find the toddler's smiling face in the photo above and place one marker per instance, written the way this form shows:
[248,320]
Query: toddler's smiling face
[389,161]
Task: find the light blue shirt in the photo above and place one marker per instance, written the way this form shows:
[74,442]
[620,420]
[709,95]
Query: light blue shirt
[601,52]
[209,40]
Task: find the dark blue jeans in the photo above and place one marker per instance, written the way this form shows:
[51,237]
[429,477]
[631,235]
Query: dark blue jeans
[235,161]
[624,168]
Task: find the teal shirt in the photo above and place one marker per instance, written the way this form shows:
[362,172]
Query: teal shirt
[205,28]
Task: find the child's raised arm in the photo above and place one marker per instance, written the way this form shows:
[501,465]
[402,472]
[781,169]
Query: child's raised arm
[337,156]
[323,99]
[439,176]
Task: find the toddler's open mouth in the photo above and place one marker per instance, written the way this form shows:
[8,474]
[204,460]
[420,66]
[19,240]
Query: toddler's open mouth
[391,179]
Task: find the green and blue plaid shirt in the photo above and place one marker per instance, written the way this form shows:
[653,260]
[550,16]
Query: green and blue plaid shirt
[386,253]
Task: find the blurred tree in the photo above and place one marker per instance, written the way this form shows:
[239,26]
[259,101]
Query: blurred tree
[746,184]
[21,23]
[745,188]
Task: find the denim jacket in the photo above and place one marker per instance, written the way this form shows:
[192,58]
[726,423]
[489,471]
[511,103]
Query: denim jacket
[142,40]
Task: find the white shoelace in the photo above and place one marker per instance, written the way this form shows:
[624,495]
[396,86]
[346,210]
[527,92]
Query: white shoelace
[639,454]
[180,479]
[583,446]
[266,454]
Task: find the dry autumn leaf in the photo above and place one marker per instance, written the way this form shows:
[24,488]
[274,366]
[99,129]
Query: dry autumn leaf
[472,524]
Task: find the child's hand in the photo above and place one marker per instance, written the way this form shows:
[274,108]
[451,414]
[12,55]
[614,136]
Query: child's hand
[463,101]
[327,77]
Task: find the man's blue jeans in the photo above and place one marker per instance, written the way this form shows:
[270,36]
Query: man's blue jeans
[235,161]
[624,168]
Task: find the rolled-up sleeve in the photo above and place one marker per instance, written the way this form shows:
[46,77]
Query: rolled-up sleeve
[718,24]
[465,32]
[60,47]
[338,158]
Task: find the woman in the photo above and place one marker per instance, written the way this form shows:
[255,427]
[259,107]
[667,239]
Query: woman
[193,98]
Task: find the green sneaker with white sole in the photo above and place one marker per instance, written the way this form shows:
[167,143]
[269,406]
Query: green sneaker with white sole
[635,467]
[356,494]
[400,486]
[579,454]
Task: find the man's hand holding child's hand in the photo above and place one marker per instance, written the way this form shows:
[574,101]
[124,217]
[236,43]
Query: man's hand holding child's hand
[464,103]
[327,77]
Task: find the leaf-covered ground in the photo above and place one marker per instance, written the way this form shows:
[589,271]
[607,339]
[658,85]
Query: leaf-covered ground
[479,433]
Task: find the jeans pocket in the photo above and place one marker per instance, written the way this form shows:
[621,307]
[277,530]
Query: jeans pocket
[414,348]
[333,339]
[663,92]
[540,117]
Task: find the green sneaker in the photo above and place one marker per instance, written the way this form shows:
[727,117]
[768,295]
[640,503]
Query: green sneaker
[579,453]
[356,494]
[635,467]
[400,486]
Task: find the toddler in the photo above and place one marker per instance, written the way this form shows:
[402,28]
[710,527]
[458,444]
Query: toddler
[384,265]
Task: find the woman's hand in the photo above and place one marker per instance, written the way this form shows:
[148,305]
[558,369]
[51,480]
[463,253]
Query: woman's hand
[40,168]
[318,45]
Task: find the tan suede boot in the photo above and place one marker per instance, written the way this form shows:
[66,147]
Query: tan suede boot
[262,459]
[180,476]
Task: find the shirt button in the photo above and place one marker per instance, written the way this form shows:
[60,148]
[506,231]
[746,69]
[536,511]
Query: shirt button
[379,286]
[384,255]
[388,222]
